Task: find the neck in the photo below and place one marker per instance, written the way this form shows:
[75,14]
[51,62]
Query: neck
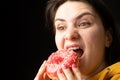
[94,72]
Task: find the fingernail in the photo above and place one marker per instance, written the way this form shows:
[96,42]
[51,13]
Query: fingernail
[74,66]
[60,70]
[65,67]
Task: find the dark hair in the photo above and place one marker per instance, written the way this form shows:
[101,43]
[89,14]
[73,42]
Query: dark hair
[112,54]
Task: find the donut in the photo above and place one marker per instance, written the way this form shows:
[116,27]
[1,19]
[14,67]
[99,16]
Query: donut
[59,58]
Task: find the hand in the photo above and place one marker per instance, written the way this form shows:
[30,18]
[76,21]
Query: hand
[41,75]
[69,74]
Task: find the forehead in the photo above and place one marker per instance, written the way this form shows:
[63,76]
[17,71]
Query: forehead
[71,9]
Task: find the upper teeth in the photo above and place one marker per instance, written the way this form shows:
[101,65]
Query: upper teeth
[74,48]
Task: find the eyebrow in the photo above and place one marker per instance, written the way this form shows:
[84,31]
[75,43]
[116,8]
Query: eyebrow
[59,19]
[77,17]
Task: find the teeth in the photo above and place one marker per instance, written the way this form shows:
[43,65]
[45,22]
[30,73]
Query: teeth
[74,48]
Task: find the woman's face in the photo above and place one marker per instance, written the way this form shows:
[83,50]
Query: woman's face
[77,27]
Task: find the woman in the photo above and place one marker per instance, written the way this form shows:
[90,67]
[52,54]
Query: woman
[85,24]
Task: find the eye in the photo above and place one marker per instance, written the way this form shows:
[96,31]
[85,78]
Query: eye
[61,27]
[84,24]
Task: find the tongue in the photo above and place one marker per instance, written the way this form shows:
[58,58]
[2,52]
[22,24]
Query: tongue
[79,51]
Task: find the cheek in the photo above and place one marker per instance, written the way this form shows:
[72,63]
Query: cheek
[96,38]
[95,35]
[59,41]
[94,47]
[95,42]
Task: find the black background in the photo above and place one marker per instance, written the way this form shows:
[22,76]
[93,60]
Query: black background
[26,40]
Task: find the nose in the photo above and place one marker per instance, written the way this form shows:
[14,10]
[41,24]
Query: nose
[72,35]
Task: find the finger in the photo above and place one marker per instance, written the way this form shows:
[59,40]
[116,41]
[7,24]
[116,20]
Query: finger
[68,73]
[45,76]
[41,71]
[61,75]
[76,72]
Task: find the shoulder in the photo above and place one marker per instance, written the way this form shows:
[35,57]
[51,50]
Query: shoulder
[112,72]
[115,68]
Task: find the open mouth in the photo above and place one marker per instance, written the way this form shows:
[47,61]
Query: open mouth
[77,50]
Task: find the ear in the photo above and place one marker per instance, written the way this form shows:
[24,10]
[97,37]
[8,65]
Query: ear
[108,38]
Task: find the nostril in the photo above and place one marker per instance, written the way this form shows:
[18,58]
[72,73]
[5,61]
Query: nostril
[72,35]
[76,35]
